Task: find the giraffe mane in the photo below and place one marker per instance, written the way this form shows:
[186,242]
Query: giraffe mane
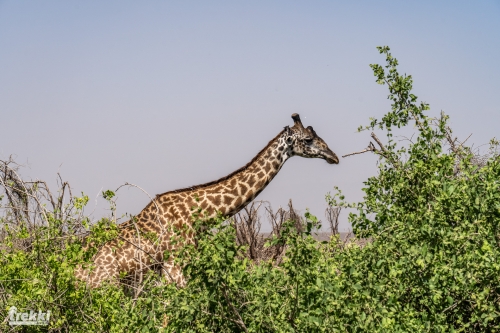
[246,166]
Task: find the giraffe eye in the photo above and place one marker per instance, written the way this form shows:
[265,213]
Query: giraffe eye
[308,140]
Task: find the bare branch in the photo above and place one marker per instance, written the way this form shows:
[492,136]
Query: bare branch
[158,211]
[461,145]
[332,216]
[370,147]
[377,140]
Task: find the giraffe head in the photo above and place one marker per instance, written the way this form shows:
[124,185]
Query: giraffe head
[306,143]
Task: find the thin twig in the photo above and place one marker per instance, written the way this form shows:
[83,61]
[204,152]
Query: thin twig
[240,320]
[153,200]
[140,256]
[464,141]
[370,147]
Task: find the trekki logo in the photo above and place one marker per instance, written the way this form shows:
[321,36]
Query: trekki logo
[28,318]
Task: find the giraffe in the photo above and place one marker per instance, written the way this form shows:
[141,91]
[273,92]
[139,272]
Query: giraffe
[130,252]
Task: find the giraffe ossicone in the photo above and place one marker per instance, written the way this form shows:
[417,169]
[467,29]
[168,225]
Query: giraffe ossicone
[131,252]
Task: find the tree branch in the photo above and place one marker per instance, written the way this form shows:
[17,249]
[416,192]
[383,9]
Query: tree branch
[377,140]
[370,147]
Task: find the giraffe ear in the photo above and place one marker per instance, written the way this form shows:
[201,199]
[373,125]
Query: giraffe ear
[310,128]
[296,120]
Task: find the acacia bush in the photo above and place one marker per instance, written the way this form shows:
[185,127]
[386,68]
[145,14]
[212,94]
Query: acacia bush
[431,263]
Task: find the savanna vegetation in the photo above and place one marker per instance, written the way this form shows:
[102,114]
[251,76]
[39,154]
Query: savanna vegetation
[430,261]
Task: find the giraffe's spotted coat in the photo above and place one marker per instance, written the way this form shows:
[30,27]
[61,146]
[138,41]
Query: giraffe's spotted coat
[133,249]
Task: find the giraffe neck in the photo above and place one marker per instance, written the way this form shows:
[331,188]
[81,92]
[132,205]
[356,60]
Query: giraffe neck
[253,179]
[230,194]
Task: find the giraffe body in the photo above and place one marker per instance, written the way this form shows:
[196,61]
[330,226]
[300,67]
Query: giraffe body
[133,252]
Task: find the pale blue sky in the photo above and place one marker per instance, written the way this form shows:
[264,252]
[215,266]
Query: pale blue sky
[175,93]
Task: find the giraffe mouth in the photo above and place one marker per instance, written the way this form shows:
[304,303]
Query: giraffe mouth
[330,157]
[332,161]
